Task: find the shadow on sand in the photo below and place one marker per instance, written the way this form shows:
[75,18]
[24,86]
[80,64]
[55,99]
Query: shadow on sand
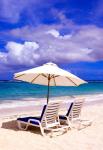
[12,125]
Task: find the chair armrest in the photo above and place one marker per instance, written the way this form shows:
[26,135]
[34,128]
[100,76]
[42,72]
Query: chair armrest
[64,116]
[34,120]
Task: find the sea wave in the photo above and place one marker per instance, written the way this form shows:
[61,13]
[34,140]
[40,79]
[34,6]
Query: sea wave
[41,101]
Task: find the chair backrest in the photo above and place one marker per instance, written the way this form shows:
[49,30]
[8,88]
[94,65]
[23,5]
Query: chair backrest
[76,109]
[50,117]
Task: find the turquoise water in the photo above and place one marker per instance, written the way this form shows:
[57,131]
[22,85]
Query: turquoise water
[18,90]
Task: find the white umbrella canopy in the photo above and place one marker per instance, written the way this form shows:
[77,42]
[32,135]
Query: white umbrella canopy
[49,74]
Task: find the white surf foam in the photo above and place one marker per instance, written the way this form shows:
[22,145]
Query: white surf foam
[41,101]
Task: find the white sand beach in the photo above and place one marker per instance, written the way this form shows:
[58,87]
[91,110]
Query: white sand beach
[89,138]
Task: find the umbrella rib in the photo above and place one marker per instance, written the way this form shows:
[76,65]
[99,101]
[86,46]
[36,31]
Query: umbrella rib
[44,75]
[54,76]
[54,80]
[35,78]
[72,81]
[19,75]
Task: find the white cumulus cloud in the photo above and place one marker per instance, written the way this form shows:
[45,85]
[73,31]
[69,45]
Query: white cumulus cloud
[20,54]
[85,44]
[56,34]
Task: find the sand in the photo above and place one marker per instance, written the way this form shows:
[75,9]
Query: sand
[89,138]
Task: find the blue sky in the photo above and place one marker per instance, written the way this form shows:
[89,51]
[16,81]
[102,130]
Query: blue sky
[66,32]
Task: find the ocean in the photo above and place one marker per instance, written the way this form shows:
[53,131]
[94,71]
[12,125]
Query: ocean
[18,93]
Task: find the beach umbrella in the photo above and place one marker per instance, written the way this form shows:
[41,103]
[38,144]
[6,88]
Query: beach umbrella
[49,74]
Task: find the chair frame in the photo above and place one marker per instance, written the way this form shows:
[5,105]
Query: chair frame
[75,115]
[50,120]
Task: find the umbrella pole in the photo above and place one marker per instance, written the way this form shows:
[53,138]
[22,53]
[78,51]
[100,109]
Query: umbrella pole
[48,88]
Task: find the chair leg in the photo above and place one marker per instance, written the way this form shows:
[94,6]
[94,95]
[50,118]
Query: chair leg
[86,123]
[42,130]
[51,134]
[79,125]
[69,123]
[20,126]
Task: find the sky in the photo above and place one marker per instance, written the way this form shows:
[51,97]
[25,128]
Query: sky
[66,32]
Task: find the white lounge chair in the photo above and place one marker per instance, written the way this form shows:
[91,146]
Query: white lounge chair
[49,119]
[74,115]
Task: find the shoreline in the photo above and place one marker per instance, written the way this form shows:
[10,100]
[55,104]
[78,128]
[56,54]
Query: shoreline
[29,105]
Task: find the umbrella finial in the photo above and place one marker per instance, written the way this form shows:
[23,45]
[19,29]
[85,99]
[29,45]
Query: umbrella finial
[51,64]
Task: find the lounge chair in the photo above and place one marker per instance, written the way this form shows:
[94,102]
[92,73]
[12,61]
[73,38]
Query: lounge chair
[74,115]
[49,119]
